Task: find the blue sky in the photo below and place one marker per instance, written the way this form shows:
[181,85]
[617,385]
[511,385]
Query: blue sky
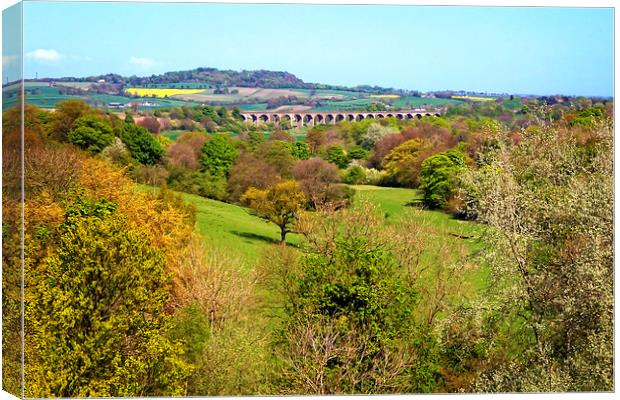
[493,49]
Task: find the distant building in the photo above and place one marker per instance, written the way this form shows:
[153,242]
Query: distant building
[116,105]
[101,81]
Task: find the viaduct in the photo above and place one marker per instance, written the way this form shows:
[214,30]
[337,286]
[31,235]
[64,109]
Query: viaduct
[297,119]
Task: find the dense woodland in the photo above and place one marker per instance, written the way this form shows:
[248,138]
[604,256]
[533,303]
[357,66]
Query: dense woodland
[123,297]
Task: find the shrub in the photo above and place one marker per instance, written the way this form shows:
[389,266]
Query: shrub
[337,156]
[100,303]
[282,135]
[355,175]
[154,175]
[199,183]
[357,153]
[300,151]
[348,315]
[117,153]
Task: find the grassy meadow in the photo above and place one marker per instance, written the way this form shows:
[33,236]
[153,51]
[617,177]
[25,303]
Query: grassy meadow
[233,230]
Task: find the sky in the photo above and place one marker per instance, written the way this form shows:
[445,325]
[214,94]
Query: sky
[488,49]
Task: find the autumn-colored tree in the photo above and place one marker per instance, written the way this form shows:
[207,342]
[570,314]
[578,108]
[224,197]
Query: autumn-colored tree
[63,119]
[182,155]
[280,204]
[319,180]
[282,135]
[403,163]
[250,171]
[150,123]
[384,146]
[315,139]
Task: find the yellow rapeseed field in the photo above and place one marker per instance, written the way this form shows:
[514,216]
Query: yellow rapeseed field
[149,92]
[385,96]
[474,98]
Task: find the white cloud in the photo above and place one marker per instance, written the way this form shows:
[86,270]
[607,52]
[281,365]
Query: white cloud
[142,62]
[49,55]
[9,59]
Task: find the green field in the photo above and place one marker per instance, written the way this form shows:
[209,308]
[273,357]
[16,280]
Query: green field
[232,228]
[355,104]
[402,102]
[414,102]
[173,135]
[395,202]
[253,107]
[42,95]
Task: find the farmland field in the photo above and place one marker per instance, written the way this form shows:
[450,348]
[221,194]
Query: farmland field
[40,95]
[253,107]
[474,98]
[158,92]
[414,102]
[247,98]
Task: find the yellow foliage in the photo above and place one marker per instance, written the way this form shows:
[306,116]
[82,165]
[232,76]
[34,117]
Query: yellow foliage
[164,224]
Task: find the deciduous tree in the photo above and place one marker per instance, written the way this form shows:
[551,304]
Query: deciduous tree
[280,204]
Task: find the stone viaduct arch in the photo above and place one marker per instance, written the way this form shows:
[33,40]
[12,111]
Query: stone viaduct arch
[328,117]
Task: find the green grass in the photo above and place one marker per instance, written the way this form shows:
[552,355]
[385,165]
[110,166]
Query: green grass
[173,135]
[415,102]
[394,203]
[41,95]
[253,107]
[513,104]
[44,96]
[232,228]
[342,105]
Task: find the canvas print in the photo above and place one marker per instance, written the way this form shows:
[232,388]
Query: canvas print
[216,199]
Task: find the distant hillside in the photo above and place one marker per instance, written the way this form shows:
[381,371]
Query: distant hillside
[210,76]
[227,78]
